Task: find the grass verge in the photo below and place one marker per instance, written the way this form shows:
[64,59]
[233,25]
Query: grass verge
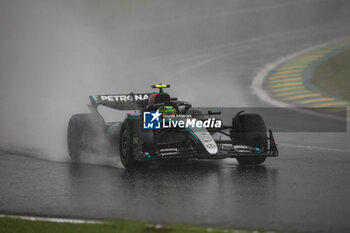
[333,75]
[17,225]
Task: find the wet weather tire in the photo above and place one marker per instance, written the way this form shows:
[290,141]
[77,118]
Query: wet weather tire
[127,156]
[83,134]
[253,133]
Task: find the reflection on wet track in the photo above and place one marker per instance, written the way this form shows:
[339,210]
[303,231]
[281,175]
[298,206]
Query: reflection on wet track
[295,192]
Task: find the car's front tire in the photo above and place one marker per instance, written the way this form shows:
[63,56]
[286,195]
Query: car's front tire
[127,156]
[252,133]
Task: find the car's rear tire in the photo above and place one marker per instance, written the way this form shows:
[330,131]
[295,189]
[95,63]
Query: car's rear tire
[252,133]
[127,156]
[83,129]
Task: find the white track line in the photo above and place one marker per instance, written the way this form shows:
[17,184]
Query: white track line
[47,219]
[81,221]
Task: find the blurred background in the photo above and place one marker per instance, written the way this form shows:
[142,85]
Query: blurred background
[56,53]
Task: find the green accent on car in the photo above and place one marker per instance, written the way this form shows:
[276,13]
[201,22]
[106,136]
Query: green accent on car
[193,134]
[94,97]
[147,154]
[134,113]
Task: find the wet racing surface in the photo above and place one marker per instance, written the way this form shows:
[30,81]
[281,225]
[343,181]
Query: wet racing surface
[305,189]
[297,191]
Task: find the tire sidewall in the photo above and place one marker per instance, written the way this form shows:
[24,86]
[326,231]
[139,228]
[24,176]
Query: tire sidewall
[126,151]
[83,129]
[253,132]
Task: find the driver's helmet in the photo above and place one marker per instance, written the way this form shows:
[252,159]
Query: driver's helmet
[167,110]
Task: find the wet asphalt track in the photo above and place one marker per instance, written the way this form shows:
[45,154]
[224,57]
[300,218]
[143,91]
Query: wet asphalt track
[306,189]
[303,190]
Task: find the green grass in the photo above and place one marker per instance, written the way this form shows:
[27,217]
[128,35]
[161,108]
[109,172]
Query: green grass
[333,75]
[16,225]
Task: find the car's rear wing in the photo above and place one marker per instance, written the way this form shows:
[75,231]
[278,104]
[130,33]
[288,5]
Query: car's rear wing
[132,101]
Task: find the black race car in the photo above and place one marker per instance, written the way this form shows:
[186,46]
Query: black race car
[248,140]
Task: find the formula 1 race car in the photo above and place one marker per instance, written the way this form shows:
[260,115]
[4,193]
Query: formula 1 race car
[162,127]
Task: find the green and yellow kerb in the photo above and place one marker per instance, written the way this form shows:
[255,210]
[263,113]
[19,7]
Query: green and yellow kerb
[291,81]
